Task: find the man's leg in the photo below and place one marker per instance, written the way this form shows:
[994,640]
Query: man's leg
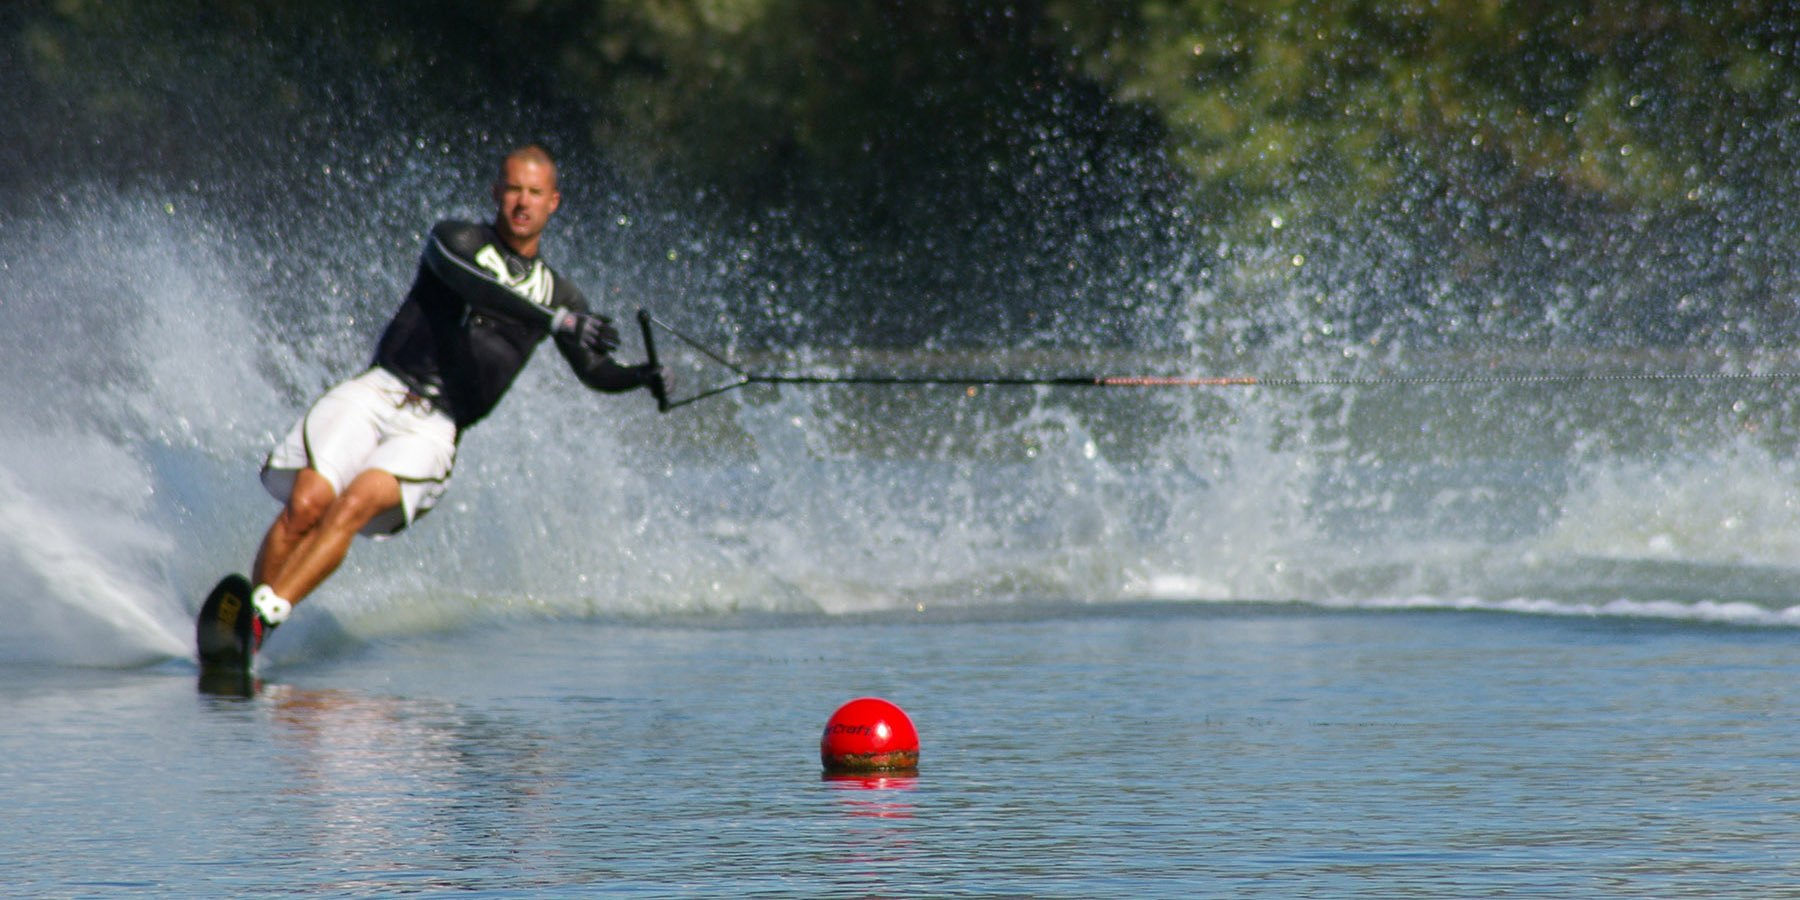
[306,503]
[294,569]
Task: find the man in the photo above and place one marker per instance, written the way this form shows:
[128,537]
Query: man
[375,452]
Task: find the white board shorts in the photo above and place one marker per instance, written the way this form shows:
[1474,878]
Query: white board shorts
[372,421]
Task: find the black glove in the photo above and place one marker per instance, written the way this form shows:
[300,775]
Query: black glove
[591,330]
[651,377]
[659,388]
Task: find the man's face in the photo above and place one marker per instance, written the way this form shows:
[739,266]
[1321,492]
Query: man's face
[526,196]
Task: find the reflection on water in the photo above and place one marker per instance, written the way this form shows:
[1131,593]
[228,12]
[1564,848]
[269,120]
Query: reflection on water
[859,794]
[375,789]
[875,852]
[225,682]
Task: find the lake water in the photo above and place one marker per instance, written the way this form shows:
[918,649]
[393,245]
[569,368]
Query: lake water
[1140,750]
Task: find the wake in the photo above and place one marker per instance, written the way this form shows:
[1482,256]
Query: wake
[69,603]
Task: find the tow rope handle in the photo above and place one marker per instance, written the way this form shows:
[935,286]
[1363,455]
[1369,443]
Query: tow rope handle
[658,388]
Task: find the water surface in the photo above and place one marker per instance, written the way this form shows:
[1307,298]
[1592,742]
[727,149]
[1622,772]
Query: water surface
[1181,750]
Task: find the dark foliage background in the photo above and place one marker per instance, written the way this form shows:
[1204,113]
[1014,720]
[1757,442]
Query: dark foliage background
[1041,171]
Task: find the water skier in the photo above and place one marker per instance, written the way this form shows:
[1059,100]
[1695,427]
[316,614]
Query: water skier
[375,452]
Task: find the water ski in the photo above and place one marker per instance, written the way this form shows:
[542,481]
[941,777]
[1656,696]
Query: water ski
[225,631]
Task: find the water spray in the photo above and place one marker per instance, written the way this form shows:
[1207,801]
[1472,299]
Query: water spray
[743,376]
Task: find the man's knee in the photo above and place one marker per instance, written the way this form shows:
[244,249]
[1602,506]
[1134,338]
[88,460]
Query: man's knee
[371,494]
[306,505]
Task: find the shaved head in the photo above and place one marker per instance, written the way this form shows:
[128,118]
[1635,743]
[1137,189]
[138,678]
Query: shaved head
[530,153]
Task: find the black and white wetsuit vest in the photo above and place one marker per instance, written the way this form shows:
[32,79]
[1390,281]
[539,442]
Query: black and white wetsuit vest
[474,315]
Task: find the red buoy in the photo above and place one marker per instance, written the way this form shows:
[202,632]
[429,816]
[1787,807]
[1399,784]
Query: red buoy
[869,734]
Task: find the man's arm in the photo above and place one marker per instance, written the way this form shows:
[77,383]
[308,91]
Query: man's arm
[452,253]
[598,370]
[585,339]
